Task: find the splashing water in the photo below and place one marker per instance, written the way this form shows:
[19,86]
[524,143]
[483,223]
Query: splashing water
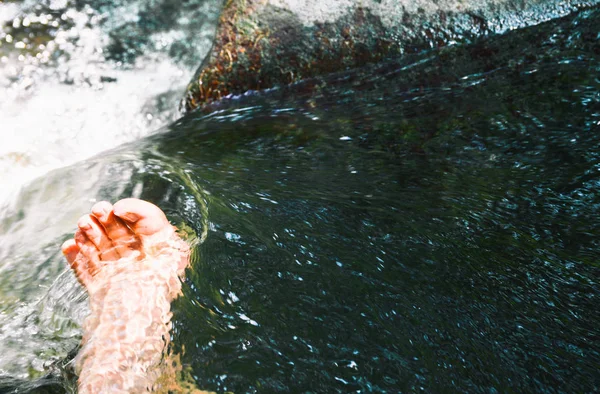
[426,224]
[71,84]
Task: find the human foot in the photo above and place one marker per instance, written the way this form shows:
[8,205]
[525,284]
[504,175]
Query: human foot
[129,258]
[128,230]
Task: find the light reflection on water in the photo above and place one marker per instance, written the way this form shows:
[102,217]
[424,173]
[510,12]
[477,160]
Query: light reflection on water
[397,229]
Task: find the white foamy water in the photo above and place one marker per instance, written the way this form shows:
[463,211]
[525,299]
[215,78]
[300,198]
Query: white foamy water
[61,101]
[69,90]
[52,116]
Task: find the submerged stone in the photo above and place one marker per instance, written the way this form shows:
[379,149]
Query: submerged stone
[261,44]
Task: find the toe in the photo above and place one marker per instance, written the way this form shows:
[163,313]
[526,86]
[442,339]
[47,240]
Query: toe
[143,218]
[88,251]
[78,261]
[114,226]
[82,271]
[70,250]
[121,236]
[101,209]
[94,232]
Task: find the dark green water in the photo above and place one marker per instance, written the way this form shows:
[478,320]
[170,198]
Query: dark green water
[430,224]
[425,228]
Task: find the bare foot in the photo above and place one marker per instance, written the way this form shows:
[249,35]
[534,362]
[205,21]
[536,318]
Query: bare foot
[130,260]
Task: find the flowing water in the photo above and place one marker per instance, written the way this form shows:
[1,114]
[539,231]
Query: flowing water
[428,224]
[77,79]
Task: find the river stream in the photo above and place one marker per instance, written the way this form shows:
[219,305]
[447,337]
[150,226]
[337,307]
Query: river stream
[428,224]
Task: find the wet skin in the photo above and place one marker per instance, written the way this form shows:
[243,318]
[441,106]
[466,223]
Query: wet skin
[130,260]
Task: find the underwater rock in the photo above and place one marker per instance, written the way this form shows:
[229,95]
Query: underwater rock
[260,44]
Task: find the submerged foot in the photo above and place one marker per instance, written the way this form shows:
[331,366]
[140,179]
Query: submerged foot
[126,231]
[130,260]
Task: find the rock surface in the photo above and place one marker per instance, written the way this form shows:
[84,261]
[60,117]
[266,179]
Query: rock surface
[261,44]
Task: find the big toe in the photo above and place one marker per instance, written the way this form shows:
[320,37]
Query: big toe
[115,228]
[144,218]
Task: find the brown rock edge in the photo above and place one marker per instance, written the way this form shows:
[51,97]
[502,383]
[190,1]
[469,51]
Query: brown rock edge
[260,44]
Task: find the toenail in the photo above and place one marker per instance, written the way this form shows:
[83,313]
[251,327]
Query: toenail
[129,216]
[101,212]
[84,225]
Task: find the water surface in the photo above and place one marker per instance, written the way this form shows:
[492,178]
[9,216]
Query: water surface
[428,224]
